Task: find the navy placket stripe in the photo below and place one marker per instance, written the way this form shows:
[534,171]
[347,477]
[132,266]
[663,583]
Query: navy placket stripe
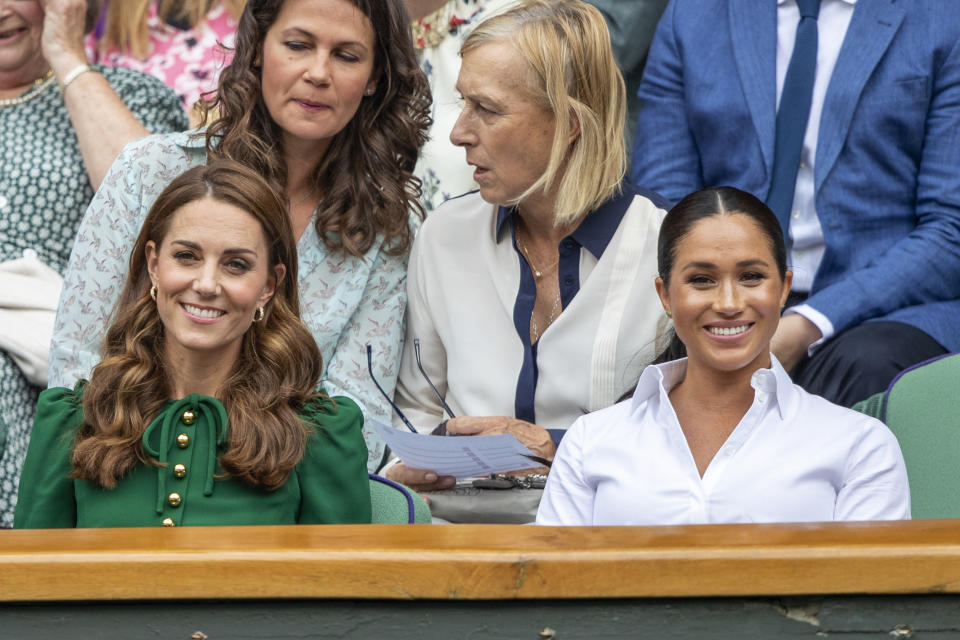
[523,404]
[593,234]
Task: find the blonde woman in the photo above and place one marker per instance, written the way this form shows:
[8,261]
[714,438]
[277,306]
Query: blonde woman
[532,301]
[185,43]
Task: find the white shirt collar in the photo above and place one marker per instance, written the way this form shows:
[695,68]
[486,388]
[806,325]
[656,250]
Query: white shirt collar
[661,378]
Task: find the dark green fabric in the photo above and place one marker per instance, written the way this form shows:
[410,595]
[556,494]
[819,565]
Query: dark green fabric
[329,485]
[872,406]
[921,410]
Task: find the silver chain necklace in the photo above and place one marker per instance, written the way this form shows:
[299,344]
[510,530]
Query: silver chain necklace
[553,316]
[304,198]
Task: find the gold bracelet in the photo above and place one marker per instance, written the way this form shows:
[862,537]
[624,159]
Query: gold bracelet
[73,74]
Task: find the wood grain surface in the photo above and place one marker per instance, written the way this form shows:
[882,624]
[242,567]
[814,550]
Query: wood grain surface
[479,561]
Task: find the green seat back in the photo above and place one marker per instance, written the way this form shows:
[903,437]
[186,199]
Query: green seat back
[922,408]
[390,505]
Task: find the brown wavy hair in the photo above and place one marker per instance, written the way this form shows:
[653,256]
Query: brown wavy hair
[366,175]
[275,374]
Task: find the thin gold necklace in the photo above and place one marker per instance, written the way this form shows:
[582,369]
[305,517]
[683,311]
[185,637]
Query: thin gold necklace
[35,90]
[537,273]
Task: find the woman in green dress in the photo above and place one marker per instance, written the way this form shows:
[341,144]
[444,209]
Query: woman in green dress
[202,410]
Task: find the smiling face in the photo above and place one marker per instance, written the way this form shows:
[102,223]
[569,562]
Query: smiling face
[21,25]
[317,64]
[211,272]
[725,293]
[507,134]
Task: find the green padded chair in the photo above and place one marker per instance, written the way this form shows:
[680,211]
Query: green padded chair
[393,503]
[922,408]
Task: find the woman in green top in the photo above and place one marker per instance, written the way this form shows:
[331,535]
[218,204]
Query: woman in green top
[203,410]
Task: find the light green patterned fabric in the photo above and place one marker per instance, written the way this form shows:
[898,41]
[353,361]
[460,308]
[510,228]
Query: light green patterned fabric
[389,505]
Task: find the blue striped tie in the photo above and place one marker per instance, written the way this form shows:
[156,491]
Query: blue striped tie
[793,114]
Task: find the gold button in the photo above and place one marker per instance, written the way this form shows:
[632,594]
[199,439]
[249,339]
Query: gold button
[183,441]
[168,522]
[179,470]
[188,417]
[174,499]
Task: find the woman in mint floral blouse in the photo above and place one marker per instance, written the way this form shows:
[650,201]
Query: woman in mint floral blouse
[324,97]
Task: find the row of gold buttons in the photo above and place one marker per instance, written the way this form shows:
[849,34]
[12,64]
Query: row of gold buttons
[179,470]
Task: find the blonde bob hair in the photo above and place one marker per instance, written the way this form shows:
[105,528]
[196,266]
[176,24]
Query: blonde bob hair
[573,73]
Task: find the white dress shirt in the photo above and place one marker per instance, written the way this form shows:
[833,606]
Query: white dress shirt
[794,457]
[464,281]
[805,231]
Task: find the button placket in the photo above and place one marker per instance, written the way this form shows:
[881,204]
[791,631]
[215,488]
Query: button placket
[188,418]
[180,458]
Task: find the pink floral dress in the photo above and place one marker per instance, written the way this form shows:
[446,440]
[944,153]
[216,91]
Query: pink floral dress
[187,61]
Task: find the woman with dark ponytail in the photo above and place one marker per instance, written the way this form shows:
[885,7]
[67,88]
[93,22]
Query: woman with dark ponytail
[723,435]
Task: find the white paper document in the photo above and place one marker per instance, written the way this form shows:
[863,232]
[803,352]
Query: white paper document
[458,456]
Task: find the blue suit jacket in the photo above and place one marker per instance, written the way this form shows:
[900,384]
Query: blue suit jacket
[887,167]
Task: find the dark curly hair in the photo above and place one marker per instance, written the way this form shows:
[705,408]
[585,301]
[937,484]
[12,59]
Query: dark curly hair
[366,175]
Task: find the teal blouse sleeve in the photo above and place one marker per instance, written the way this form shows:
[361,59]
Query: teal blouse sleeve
[334,486]
[46,499]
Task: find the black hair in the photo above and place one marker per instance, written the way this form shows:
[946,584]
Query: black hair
[710,202]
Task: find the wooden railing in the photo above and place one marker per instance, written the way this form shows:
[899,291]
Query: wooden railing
[466,562]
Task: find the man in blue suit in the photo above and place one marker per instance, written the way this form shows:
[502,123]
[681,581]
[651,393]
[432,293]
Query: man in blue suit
[875,218]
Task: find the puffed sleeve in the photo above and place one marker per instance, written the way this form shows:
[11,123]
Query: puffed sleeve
[568,498]
[334,485]
[46,499]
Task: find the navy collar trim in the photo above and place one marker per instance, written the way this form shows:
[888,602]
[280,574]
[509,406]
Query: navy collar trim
[597,228]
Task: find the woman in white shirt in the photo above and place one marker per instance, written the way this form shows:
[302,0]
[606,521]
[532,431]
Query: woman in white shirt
[532,301]
[724,435]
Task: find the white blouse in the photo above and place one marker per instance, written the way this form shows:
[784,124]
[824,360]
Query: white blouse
[794,457]
[468,287]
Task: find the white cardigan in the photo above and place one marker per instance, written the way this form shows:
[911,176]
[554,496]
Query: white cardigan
[462,285]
